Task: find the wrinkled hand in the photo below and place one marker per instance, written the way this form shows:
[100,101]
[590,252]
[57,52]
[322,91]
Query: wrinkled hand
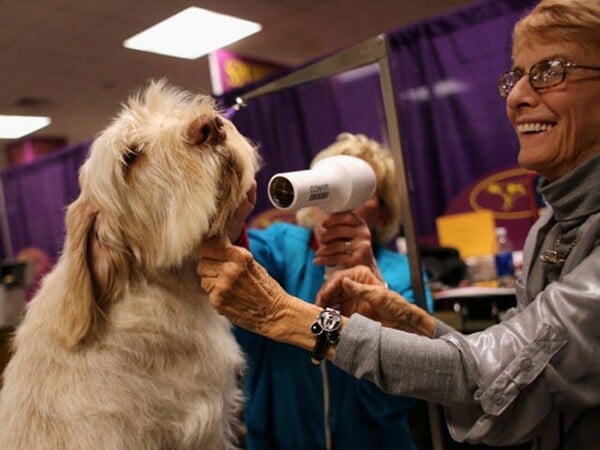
[240,289]
[338,229]
[355,290]
[358,290]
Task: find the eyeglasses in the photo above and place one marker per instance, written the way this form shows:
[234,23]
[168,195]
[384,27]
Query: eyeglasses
[541,75]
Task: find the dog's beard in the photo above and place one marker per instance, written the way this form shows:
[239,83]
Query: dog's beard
[230,187]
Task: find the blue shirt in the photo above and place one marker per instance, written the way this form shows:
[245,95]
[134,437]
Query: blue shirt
[286,394]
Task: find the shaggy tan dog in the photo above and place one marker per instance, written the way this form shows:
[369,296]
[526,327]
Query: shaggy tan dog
[120,348]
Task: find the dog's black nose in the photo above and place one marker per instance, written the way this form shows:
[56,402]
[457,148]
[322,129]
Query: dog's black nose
[207,129]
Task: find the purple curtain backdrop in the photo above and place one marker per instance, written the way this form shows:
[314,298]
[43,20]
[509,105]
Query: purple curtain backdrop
[452,122]
[36,197]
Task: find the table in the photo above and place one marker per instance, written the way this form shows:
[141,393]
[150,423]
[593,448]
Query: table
[471,308]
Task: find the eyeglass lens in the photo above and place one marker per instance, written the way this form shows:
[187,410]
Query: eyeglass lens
[541,75]
[547,73]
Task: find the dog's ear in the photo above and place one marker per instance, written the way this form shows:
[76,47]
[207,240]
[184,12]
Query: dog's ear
[96,274]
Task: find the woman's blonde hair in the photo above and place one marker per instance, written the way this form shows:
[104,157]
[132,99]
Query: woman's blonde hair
[576,21]
[380,159]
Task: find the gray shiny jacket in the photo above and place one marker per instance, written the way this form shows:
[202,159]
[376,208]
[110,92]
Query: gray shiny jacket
[533,377]
[538,372]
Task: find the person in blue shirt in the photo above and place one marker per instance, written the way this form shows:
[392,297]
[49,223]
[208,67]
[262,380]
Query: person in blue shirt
[292,404]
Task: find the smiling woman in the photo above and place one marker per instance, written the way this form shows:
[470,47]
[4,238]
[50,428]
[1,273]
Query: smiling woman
[556,108]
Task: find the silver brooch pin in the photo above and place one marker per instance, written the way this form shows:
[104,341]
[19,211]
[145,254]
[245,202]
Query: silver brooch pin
[556,256]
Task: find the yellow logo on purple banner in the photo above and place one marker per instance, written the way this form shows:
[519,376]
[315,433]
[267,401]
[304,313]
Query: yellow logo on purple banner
[229,70]
[509,194]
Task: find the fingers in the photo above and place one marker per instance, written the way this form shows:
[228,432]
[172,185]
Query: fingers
[212,248]
[355,289]
[344,232]
[346,247]
[241,289]
[342,218]
[332,291]
[220,249]
[340,253]
[220,264]
[344,225]
[345,240]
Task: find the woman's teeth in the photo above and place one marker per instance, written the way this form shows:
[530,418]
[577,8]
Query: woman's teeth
[534,127]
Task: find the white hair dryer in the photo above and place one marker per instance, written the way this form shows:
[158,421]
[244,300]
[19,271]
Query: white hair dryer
[335,184]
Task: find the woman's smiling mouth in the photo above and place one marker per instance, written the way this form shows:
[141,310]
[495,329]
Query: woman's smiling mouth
[534,127]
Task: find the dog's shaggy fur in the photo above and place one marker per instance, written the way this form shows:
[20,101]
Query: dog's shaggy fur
[120,348]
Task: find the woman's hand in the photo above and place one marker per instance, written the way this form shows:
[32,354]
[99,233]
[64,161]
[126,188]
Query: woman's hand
[241,289]
[345,241]
[358,290]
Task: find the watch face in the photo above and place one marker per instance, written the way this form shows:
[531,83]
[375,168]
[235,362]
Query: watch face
[330,320]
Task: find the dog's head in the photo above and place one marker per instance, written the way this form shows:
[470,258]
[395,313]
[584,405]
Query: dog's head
[168,172]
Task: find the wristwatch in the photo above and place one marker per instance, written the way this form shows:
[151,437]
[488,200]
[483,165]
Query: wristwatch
[326,328]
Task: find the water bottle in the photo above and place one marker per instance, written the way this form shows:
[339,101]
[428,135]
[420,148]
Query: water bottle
[505,269]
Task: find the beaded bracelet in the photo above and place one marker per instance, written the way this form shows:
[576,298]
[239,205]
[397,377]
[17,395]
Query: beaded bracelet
[326,328]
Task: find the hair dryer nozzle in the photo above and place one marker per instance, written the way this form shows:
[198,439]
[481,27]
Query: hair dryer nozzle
[337,183]
[281,192]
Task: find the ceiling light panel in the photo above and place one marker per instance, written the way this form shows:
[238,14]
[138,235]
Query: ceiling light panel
[192,33]
[14,127]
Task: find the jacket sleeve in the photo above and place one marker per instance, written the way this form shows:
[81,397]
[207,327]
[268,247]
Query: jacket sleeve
[542,359]
[402,363]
